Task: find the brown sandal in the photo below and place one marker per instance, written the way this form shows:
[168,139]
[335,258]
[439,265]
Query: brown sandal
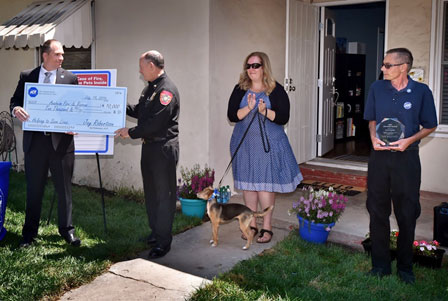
[262,232]
[243,237]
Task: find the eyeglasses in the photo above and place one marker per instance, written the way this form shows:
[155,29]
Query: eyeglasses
[388,66]
[253,66]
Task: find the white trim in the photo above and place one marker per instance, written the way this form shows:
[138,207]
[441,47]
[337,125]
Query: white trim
[346,2]
[432,49]
[386,25]
[93,45]
[435,60]
[287,43]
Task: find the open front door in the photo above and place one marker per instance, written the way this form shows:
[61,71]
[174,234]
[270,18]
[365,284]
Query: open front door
[326,83]
[301,74]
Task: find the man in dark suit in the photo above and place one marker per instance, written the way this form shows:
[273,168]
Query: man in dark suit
[45,150]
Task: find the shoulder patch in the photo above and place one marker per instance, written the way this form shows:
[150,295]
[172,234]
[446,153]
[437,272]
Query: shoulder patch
[165,97]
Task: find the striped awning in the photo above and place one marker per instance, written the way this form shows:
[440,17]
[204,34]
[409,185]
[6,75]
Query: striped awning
[69,21]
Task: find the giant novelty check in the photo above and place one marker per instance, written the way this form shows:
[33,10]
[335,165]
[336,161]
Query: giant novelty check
[73,108]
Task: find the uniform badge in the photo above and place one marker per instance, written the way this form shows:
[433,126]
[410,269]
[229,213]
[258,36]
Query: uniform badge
[407,105]
[165,97]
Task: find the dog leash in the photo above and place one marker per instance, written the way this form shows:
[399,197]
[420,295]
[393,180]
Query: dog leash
[266,149]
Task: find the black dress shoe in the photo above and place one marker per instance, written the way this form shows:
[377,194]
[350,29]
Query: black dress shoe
[26,242]
[158,252]
[379,272]
[71,239]
[406,277]
[149,240]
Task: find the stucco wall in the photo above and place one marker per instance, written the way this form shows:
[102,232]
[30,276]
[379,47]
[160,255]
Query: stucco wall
[410,27]
[236,29]
[204,43]
[179,30]
[13,61]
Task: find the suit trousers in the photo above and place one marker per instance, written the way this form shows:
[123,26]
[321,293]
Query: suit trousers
[40,157]
[393,176]
[158,165]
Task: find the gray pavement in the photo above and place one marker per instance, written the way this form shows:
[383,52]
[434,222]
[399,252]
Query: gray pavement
[192,261]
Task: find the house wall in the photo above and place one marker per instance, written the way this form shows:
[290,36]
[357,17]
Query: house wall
[12,62]
[188,34]
[238,28]
[204,43]
[180,31]
[410,27]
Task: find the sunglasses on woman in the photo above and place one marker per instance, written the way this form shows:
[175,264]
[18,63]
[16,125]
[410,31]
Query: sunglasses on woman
[253,66]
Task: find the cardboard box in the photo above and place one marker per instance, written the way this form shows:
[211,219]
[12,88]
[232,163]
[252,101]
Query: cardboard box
[356,48]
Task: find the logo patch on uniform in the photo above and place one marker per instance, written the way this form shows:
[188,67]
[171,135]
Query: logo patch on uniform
[407,105]
[165,97]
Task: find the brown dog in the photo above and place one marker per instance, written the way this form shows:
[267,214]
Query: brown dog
[225,213]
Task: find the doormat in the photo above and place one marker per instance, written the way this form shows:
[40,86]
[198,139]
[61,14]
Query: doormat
[339,188]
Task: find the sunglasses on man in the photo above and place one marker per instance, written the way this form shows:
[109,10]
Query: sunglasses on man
[388,66]
[253,66]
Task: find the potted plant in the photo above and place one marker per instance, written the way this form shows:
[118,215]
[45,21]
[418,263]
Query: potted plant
[428,254]
[192,181]
[367,244]
[318,211]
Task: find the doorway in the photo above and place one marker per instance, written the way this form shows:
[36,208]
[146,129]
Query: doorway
[359,54]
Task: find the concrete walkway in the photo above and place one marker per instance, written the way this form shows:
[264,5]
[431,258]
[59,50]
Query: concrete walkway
[192,262]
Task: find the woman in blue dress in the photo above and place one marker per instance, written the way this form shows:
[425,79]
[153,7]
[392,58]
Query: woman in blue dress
[265,163]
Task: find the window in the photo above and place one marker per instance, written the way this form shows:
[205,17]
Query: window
[76,58]
[444,70]
[438,80]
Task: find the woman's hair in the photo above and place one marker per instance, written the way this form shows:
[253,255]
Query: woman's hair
[268,80]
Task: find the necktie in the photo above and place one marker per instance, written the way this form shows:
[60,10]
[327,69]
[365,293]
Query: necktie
[47,78]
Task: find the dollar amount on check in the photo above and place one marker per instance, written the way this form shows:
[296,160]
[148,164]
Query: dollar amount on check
[73,108]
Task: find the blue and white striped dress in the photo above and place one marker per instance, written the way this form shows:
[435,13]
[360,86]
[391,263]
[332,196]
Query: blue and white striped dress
[253,168]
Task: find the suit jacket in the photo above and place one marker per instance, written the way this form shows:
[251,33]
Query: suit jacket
[61,142]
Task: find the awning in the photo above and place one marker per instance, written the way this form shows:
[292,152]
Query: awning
[68,21]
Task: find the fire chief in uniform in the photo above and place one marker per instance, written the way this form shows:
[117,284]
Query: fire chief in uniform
[157,113]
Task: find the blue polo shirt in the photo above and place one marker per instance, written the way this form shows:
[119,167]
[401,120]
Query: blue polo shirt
[413,105]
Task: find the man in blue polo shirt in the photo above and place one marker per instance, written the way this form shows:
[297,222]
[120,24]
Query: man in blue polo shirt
[394,169]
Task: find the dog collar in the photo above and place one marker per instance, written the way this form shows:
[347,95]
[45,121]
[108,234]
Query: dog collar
[215,194]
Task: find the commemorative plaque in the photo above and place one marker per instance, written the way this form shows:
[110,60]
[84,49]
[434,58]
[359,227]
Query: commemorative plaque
[390,130]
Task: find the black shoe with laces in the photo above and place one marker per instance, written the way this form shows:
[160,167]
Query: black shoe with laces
[158,252]
[379,272]
[26,242]
[406,277]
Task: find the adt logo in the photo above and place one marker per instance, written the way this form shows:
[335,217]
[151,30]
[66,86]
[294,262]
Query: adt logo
[32,92]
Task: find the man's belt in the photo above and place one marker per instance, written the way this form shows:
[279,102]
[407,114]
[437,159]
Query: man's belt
[153,140]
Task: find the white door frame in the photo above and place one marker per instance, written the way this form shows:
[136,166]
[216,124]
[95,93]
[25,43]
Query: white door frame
[334,3]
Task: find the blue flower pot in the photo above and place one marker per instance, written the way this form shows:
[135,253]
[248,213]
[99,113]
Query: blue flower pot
[193,207]
[4,187]
[315,233]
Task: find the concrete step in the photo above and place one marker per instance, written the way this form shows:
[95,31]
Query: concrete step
[335,175]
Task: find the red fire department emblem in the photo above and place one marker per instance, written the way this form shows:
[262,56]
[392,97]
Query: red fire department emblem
[165,97]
